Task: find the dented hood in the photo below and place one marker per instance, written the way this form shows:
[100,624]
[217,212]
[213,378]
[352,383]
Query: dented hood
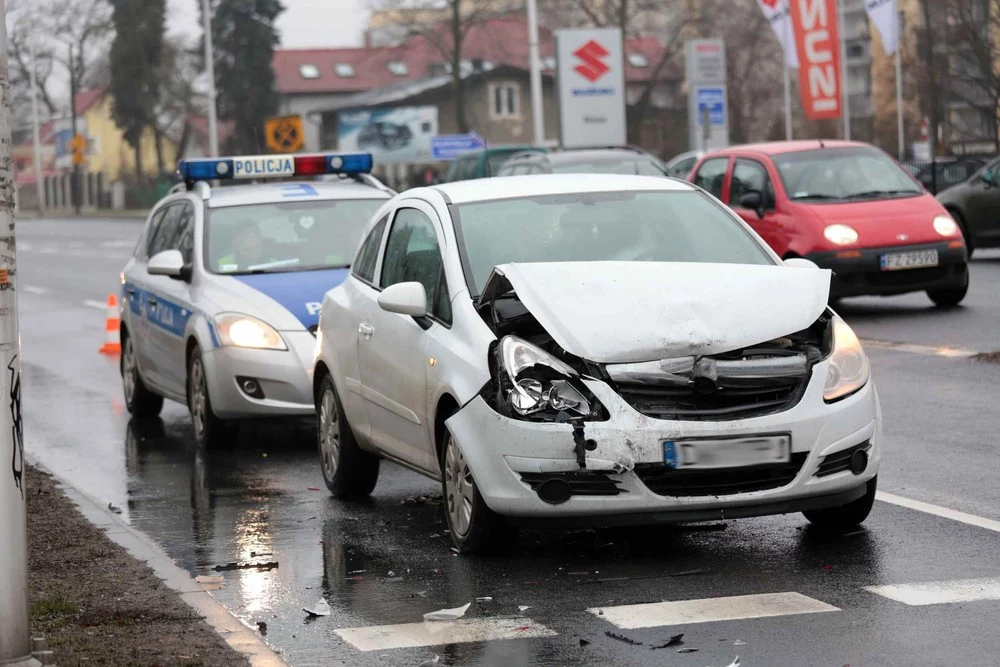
[621,312]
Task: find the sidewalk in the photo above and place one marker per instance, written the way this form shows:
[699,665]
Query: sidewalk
[97,605]
[86,214]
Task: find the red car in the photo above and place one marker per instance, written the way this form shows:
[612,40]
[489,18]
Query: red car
[846,206]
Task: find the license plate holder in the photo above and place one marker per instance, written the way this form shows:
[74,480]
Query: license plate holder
[913,259]
[739,452]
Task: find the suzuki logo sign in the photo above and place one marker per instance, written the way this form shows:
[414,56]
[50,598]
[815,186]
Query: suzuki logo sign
[817,38]
[592,66]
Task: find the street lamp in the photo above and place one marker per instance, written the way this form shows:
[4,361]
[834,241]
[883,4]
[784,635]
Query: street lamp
[213,121]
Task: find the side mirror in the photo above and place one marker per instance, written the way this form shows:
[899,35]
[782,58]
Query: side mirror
[800,263]
[753,201]
[404,299]
[169,263]
[988,178]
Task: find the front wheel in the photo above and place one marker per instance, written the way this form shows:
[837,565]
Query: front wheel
[209,430]
[139,400]
[845,517]
[474,526]
[949,297]
[348,470]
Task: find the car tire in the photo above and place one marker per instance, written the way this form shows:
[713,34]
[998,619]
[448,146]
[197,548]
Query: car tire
[348,470]
[949,297]
[845,517]
[209,430]
[473,526]
[139,400]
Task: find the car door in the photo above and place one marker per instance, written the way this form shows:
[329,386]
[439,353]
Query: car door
[393,348]
[169,301]
[983,203]
[751,176]
[711,176]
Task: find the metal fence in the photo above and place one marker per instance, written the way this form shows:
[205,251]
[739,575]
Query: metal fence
[944,172]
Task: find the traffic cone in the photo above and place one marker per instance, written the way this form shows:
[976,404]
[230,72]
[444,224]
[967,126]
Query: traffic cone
[112,329]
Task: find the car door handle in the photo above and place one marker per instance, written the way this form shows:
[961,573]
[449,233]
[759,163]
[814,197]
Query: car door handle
[131,291]
[366,330]
[152,300]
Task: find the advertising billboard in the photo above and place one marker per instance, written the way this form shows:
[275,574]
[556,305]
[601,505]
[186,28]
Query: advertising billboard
[708,98]
[591,87]
[817,36]
[397,135]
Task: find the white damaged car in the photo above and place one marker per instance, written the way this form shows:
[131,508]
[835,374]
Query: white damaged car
[592,349]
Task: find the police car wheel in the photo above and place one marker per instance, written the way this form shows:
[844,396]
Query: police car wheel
[208,429]
[348,470]
[139,400]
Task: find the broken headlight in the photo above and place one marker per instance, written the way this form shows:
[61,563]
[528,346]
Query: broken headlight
[849,369]
[536,384]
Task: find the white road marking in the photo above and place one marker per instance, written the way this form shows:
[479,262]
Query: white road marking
[940,592]
[684,612]
[926,350]
[437,633]
[937,510]
[90,303]
[31,289]
[21,245]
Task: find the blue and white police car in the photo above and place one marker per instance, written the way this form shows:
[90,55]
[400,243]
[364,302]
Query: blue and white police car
[221,299]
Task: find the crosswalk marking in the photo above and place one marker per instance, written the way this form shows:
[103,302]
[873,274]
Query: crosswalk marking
[436,633]
[683,612]
[937,510]
[940,592]
[31,289]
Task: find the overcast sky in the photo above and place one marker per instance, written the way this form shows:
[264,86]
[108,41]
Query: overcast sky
[304,23]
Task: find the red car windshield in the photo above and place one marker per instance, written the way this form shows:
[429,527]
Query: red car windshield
[843,174]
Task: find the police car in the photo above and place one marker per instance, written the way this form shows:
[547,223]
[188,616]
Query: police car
[221,300]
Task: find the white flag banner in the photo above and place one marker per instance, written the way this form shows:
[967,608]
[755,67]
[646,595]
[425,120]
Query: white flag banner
[777,14]
[885,15]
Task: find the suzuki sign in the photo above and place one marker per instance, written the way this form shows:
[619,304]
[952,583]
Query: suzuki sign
[591,88]
[817,39]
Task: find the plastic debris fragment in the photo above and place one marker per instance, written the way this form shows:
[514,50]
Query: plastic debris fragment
[676,640]
[114,508]
[447,614]
[321,608]
[523,608]
[622,638]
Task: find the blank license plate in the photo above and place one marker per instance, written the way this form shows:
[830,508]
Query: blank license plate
[727,452]
[897,261]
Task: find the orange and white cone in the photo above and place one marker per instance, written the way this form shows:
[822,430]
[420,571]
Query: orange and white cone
[112,328]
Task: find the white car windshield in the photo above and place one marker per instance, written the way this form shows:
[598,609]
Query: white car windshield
[843,174]
[652,226]
[286,236]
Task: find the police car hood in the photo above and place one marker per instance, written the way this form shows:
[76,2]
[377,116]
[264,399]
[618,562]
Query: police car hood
[288,301]
[624,312]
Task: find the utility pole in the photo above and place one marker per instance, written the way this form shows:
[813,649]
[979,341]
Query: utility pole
[15,637]
[213,120]
[37,159]
[537,109]
[74,184]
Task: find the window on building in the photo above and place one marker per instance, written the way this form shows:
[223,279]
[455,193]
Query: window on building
[505,100]
[638,60]
[344,70]
[397,68]
[309,71]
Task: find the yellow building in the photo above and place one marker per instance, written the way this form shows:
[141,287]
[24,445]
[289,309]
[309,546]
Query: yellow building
[109,155]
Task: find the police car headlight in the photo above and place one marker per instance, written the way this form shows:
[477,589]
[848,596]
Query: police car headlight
[849,369]
[244,331]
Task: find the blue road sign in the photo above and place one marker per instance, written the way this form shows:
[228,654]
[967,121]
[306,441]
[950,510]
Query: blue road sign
[450,146]
[714,101]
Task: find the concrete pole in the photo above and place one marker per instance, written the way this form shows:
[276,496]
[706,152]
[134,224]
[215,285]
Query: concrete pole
[37,159]
[846,111]
[15,637]
[899,87]
[213,120]
[788,101]
[74,183]
[537,107]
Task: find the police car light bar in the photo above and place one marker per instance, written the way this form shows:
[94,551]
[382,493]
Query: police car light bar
[274,166]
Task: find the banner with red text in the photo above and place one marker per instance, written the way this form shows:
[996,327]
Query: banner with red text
[817,40]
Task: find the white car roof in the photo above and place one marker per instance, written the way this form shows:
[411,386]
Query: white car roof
[509,187]
[266,193]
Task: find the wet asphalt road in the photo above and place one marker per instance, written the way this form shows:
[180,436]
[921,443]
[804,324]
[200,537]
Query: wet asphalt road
[387,561]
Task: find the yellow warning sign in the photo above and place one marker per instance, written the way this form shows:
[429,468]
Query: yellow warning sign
[284,134]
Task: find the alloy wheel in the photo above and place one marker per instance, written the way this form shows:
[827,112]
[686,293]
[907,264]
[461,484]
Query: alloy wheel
[329,433]
[460,489]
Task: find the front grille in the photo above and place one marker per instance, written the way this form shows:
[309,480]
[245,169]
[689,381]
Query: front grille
[581,483]
[725,403]
[839,461]
[664,481]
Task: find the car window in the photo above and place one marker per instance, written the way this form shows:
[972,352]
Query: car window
[163,237]
[638,166]
[154,223]
[651,226]
[184,236]
[683,168]
[364,266]
[749,176]
[711,175]
[412,255]
[495,161]
[467,169]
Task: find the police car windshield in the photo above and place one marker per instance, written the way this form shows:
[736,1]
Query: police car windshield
[286,236]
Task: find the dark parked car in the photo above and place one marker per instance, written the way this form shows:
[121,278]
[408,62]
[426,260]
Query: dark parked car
[384,135]
[616,160]
[946,172]
[975,205]
[484,163]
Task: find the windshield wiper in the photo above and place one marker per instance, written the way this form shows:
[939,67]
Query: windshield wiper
[816,195]
[880,193]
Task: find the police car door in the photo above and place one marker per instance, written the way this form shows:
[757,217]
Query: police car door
[169,302]
[136,295]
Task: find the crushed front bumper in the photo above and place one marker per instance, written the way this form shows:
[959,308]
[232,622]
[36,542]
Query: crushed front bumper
[863,274]
[282,375]
[510,458]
